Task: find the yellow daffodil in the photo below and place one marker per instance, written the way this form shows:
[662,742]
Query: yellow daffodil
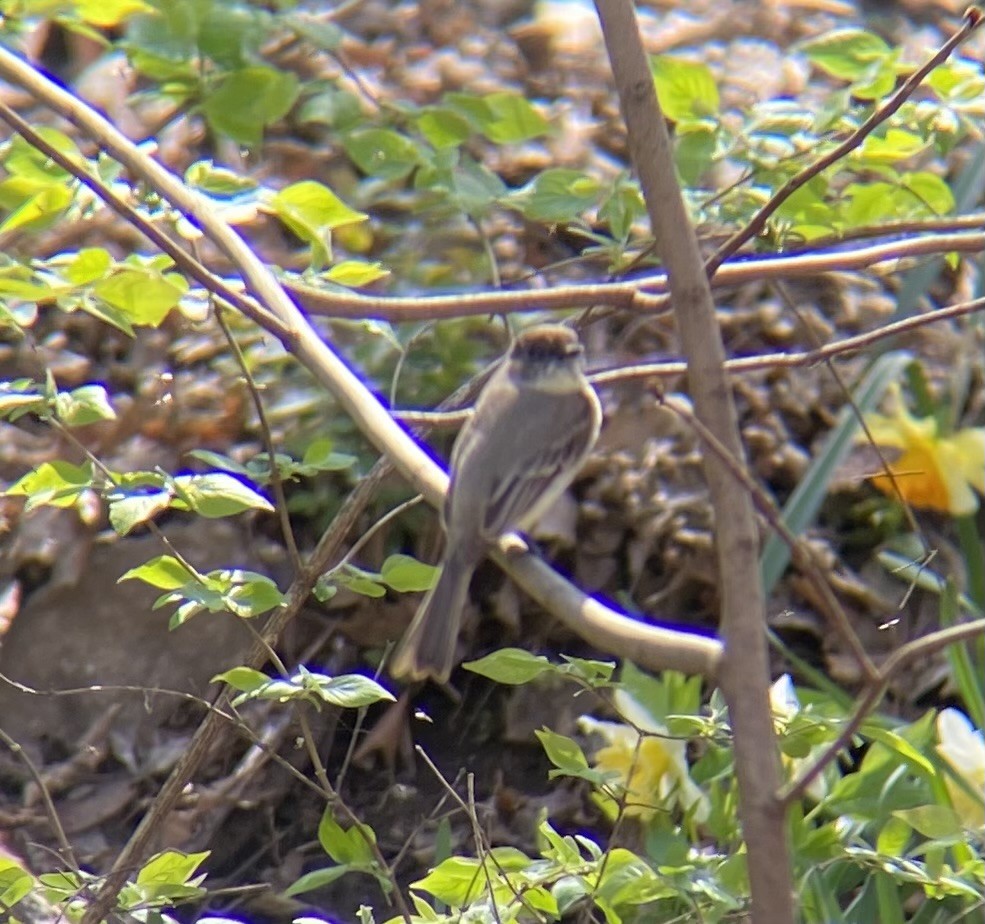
[963,747]
[933,471]
[652,769]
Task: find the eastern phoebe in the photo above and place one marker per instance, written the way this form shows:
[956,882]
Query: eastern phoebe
[533,426]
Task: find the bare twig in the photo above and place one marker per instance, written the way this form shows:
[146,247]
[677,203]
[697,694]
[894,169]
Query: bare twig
[646,293]
[874,692]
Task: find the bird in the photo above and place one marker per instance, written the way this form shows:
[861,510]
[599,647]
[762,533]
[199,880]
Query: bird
[532,428]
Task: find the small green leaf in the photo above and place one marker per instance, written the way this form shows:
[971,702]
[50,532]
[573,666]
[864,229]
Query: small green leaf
[109,13]
[349,691]
[406,574]
[350,846]
[88,265]
[937,822]
[456,881]
[443,128]
[511,665]
[40,211]
[383,153]
[320,456]
[355,273]
[144,295]
[84,405]
[164,572]
[248,100]
[505,118]
[686,89]
[217,495]
[53,484]
[126,512]
[557,194]
[244,679]
[360,583]
[563,752]
[846,53]
[316,879]
[170,867]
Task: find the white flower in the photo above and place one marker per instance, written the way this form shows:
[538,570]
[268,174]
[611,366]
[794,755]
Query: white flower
[963,747]
[785,707]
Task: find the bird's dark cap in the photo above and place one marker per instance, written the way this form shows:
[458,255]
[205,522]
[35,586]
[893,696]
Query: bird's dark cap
[547,341]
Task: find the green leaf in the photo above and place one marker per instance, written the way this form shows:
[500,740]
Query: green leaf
[356,273]
[622,208]
[19,396]
[937,822]
[406,574]
[170,867]
[846,53]
[244,679]
[360,583]
[320,456]
[248,100]
[218,182]
[511,665]
[53,484]
[88,265]
[314,208]
[457,881]
[504,118]
[126,512]
[164,572]
[901,747]
[311,210]
[891,146]
[565,754]
[352,846]
[557,194]
[15,882]
[84,405]
[932,191]
[383,153]
[109,13]
[694,151]
[41,210]
[349,691]
[250,594]
[144,295]
[316,879]
[443,128]
[686,89]
[217,494]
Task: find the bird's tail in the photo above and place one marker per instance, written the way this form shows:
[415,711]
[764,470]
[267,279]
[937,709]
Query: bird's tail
[428,646]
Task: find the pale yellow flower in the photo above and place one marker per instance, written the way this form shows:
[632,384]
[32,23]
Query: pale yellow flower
[933,471]
[652,768]
[963,747]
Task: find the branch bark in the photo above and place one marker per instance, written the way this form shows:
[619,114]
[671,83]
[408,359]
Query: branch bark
[744,674]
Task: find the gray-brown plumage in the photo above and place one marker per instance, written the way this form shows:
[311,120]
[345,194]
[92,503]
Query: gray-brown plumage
[535,422]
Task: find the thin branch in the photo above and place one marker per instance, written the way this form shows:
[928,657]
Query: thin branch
[766,361]
[911,651]
[647,293]
[744,675]
[801,553]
